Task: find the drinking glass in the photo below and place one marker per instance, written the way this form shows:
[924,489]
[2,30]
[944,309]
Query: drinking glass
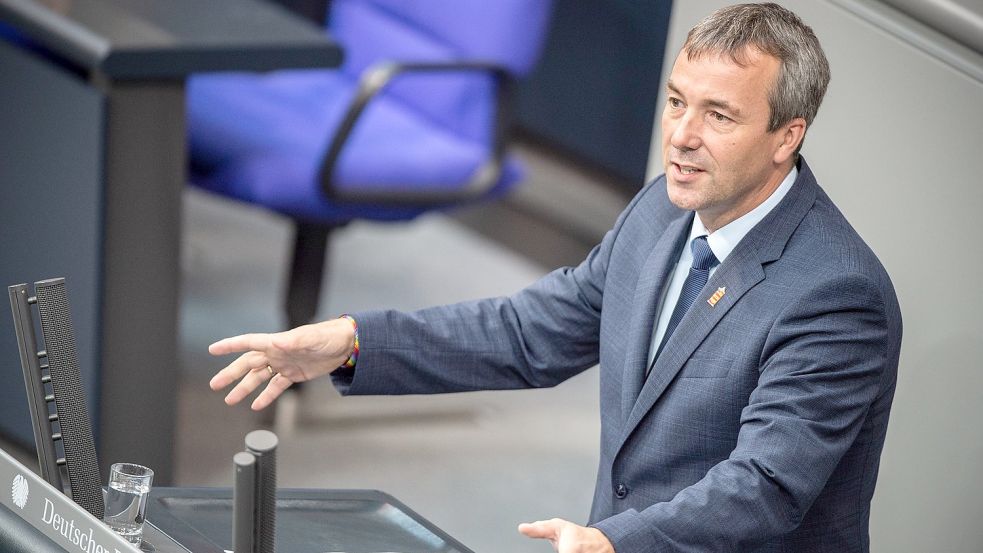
[126,500]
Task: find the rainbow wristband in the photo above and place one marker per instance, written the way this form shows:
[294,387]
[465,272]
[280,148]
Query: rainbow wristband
[353,358]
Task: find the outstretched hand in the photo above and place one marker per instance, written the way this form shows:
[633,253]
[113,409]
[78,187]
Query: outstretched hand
[567,537]
[304,353]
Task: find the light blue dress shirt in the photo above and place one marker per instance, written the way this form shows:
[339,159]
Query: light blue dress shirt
[721,242]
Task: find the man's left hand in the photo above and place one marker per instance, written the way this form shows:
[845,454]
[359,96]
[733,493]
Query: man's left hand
[567,537]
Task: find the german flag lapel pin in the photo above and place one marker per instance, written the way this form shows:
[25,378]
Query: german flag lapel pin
[717,295]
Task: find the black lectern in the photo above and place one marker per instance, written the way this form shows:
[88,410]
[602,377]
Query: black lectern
[308,521]
[38,516]
[199,520]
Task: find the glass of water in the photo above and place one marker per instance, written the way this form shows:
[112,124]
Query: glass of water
[126,500]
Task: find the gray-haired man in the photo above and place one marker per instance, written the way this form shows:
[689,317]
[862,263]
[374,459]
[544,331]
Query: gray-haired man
[747,338]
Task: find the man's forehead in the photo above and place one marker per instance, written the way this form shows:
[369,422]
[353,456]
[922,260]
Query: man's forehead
[742,56]
[754,64]
[719,81]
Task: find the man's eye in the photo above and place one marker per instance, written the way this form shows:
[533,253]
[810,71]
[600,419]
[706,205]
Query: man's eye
[675,102]
[719,117]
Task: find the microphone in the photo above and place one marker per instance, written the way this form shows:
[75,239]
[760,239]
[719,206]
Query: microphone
[63,376]
[244,503]
[254,506]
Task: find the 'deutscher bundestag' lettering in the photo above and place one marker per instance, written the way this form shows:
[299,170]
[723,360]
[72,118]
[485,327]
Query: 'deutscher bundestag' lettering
[67,528]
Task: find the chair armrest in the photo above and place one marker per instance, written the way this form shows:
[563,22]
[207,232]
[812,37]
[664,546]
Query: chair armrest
[373,81]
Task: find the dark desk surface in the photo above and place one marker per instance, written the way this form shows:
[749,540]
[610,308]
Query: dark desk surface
[307,521]
[156,39]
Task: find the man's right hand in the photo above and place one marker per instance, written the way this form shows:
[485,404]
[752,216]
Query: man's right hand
[304,353]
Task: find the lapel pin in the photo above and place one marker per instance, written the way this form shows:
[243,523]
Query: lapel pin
[717,295]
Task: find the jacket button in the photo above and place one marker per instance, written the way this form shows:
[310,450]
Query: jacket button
[621,491]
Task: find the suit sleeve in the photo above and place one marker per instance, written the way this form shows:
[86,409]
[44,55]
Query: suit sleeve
[536,338]
[827,358]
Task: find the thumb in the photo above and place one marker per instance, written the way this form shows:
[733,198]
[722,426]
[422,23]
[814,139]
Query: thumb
[542,529]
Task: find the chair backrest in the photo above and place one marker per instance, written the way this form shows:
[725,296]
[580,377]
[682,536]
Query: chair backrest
[509,33]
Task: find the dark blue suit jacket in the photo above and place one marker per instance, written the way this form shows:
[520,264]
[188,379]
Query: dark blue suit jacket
[762,423]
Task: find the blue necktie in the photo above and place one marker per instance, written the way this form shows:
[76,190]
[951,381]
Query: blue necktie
[699,273]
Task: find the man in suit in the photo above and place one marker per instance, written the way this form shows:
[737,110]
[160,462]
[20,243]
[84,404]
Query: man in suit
[747,338]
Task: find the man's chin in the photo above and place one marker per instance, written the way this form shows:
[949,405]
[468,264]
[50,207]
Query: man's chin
[681,197]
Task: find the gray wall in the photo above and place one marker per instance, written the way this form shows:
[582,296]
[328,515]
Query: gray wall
[50,210]
[591,92]
[898,144]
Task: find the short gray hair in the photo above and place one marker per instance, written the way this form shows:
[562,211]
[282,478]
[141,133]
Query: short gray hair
[776,31]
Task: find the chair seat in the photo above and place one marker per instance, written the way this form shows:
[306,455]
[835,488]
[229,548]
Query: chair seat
[262,139]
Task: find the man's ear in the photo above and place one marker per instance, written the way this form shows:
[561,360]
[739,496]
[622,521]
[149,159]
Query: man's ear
[792,134]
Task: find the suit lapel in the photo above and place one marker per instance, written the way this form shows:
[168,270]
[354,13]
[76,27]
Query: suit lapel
[648,292]
[738,276]
[741,271]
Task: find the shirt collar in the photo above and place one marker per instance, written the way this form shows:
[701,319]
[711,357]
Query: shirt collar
[726,238]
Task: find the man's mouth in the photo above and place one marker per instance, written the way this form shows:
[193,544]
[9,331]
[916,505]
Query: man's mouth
[687,169]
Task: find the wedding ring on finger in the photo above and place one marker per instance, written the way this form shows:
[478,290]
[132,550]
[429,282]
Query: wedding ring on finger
[273,374]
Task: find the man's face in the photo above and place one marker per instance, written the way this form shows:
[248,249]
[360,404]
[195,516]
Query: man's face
[720,160]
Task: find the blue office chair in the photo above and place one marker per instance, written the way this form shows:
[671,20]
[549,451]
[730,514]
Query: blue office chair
[414,120]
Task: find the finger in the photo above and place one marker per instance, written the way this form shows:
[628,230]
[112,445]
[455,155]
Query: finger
[278,384]
[250,382]
[541,529]
[245,363]
[244,342]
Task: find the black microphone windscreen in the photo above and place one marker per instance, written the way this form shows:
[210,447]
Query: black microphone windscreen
[73,416]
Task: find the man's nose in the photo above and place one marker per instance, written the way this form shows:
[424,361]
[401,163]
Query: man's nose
[686,135]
